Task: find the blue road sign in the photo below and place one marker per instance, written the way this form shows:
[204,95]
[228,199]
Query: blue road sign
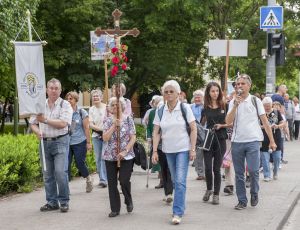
[271,17]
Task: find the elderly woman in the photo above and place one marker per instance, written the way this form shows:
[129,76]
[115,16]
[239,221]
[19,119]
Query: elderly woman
[122,90]
[276,122]
[125,156]
[80,140]
[97,114]
[178,133]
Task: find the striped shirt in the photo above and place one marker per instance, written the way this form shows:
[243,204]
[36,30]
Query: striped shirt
[61,110]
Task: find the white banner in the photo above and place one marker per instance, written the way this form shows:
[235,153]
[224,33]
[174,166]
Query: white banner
[30,75]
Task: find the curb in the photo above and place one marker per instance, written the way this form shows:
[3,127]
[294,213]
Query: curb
[284,213]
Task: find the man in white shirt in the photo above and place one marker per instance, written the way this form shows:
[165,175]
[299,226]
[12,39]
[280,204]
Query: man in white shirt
[246,137]
[52,129]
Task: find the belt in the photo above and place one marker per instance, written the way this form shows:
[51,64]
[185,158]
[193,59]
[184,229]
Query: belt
[54,138]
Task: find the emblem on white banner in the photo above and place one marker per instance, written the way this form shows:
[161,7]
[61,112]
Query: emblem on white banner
[31,85]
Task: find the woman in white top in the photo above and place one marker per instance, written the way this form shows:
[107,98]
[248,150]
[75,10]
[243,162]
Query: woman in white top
[296,117]
[178,143]
[97,114]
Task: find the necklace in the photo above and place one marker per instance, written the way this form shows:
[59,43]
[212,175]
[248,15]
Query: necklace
[171,108]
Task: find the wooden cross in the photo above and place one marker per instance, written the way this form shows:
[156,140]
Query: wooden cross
[117,33]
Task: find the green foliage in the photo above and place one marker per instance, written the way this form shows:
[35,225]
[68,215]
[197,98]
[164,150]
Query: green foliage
[9,129]
[140,132]
[19,163]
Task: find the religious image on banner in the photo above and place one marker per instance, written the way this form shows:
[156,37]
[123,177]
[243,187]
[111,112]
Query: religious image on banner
[100,45]
[30,75]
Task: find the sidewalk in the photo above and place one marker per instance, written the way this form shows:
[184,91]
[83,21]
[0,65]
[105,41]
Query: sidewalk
[89,211]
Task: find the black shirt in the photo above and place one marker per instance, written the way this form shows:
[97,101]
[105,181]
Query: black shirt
[274,118]
[215,116]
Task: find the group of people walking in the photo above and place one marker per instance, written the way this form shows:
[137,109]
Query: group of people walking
[172,125]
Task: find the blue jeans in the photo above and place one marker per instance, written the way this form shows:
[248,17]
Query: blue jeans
[266,163]
[79,153]
[56,176]
[251,152]
[101,168]
[178,164]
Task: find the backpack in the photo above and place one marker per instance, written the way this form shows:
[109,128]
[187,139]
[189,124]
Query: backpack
[140,155]
[200,130]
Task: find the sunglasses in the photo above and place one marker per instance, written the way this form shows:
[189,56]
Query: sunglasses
[168,91]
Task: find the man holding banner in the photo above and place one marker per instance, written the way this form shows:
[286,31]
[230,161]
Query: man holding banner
[52,129]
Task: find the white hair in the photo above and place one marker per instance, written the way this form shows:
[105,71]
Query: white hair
[198,93]
[121,101]
[173,84]
[267,100]
[96,91]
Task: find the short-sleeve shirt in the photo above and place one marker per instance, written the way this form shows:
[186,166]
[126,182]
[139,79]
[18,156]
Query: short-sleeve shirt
[127,128]
[215,116]
[61,110]
[77,130]
[173,129]
[197,111]
[273,118]
[246,125]
[96,117]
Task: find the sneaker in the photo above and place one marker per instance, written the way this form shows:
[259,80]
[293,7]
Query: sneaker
[64,207]
[113,214]
[207,195]
[176,219]
[275,177]
[159,186]
[48,207]
[254,200]
[102,185]
[169,199]
[228,189]
[240,206]
[284,162]
[200,178]
[267,179]
[215,199]
[89,184]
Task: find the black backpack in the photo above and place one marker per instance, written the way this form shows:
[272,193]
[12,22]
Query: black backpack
[140,155]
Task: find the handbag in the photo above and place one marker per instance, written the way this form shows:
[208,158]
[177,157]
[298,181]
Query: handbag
[227,159]
[209,135]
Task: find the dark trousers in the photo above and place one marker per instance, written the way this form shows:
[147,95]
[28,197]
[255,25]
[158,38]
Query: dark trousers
[79,153]
[296,128]
[124,171]
[165,173]
[213,161]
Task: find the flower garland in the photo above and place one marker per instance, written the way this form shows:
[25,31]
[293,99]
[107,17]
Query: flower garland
[118,61]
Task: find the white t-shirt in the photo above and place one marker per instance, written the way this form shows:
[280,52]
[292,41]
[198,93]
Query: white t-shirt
[96,116]
[297,112]
[173,129]
[246,126]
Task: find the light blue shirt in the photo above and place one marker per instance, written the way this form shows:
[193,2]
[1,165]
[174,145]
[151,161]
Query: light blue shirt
[197,109]
[77,131]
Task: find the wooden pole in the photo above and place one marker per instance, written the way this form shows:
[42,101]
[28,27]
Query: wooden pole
[118,118]
[106,97]
[226,68]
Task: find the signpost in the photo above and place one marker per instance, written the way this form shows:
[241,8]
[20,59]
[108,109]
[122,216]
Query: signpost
[271,17]
[237,48]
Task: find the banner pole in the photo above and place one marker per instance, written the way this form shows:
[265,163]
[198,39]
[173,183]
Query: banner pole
[29,25]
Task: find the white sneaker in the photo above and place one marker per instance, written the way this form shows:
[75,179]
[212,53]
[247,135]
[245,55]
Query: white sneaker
[275,177]
[267,179]
[176,220]
[89,184]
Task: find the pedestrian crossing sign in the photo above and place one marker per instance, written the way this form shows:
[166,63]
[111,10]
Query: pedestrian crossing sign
[271,17]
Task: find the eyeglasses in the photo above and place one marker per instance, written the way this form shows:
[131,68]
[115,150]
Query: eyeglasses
[168,91]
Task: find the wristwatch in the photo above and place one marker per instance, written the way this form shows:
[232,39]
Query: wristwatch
[46,121]
[193,150]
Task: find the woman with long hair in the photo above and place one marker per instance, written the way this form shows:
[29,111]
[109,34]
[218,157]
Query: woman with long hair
[213,115]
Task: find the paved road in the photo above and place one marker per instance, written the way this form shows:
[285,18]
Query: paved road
[293,223]
[89,211]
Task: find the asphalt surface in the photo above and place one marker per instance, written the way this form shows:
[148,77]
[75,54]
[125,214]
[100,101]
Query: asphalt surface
[90,210]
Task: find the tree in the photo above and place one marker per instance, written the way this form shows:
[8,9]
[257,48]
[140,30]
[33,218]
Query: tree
[11,18]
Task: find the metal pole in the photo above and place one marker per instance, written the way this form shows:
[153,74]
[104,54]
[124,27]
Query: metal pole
[271,67]
[226,67]
[29,25]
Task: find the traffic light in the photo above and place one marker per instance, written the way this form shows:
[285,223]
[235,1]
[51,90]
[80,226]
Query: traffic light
[276,45]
